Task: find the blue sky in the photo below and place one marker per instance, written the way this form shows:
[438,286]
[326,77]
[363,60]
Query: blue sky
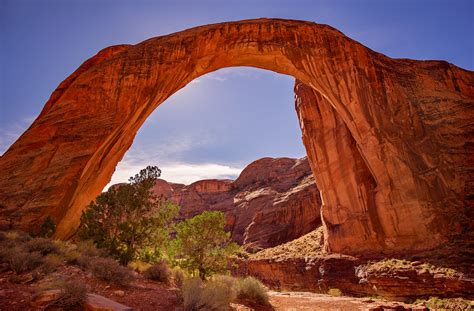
[224,120]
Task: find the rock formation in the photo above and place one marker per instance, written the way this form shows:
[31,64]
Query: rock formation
[273,201]
[392,155]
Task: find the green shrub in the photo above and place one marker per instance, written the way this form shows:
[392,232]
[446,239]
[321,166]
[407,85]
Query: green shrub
[252,289]
[48,227]
[202,245]
[334,292]
[109,270]
[42,245]
[159,272]
[129,220]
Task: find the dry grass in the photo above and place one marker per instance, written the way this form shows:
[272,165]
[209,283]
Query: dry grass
[310,244]
[73,294]
[252,289]
[159,272]
[109,270]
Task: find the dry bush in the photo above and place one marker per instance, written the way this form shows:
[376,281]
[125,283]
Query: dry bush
[159,272]
[88,248]
[178,276]
[51,263]
[43,245]
[139,266]
[19,260]
[252,289]
[109,270]
[214,295]
[73,294]
[191,292]
[335,292]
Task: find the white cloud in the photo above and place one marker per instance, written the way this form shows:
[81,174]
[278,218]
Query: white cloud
[185,173]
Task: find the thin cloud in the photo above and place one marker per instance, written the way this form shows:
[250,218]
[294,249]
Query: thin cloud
[9,134]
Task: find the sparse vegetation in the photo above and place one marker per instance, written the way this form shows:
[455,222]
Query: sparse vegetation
[436,303]
[335,292]
[109,270]
[202,245]
[48,227]
[252,289]
[73,293]
[44,246]
[20,260]
[159,272]
[129,220]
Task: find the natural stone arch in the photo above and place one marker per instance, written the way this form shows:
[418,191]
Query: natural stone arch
[405,122]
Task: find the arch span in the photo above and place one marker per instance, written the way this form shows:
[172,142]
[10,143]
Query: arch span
[386,138]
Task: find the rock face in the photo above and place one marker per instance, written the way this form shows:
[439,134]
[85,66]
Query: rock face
[273,201]
[389,140]
[353,277]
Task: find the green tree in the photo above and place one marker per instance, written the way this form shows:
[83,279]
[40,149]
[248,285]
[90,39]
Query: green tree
[129,220]
[202,244]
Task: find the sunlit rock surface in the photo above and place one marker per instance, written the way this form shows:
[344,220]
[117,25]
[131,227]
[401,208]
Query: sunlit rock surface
[389,140]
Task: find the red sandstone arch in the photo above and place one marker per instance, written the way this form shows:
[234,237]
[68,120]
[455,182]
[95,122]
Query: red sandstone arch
[387,139]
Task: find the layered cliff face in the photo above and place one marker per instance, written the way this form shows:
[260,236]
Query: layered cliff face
[393,151]
[272,201]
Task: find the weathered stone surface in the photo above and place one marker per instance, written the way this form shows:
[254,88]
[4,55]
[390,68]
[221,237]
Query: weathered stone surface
[272,201]
[351,276]
[99,303]
[399,130]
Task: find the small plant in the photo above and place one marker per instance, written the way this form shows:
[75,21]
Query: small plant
[48,227]
[73,294]
[88,248]
[216,295]
[109,270]
[192,291]
[252,289]
[335,292]
[42,245]
[178,276]
[139,266]
[436,303]
[51,263]
[21,261]
[159,272]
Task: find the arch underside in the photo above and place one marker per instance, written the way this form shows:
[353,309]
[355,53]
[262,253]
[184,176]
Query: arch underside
[388,140]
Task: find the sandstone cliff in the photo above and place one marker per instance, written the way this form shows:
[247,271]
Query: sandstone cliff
[396,132]
[272,201]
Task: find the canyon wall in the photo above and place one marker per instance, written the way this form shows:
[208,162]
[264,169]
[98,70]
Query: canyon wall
[400,131]
[273,201]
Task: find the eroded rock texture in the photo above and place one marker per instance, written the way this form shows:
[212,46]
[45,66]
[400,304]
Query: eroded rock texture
[272,202]
[408,158]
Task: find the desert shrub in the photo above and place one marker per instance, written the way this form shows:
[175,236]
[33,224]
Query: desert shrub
[88,248]
[178,276]
[19,236]
[51,263]
[19,260]
[42,245]
[191,292]
[159,272]
[216,295]
[335,292]
[252,289]
[139,266]
[129,220]
[203,245]
[3,237]
[436,303]
[109,270]
[73,294]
